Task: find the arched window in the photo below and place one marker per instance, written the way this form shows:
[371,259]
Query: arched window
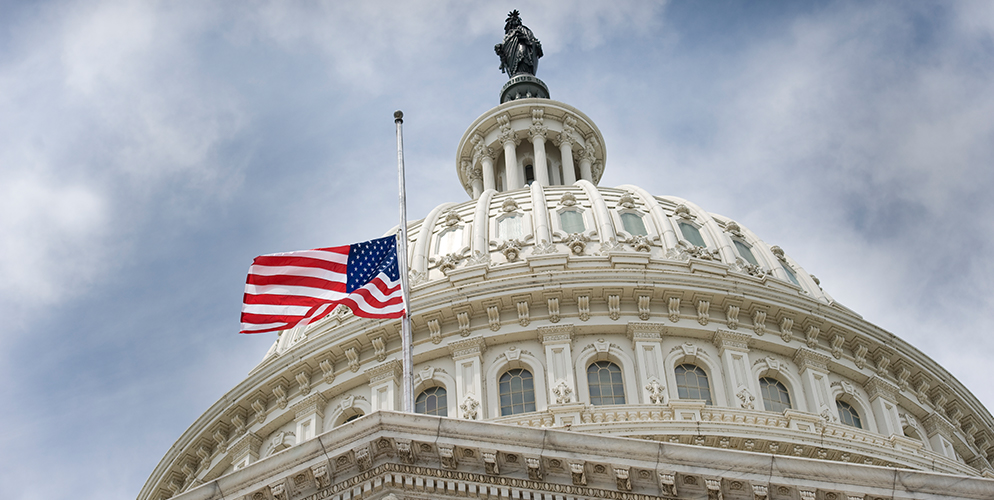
[848,415]
[775,395]
[633,224]
[572,221]
[517,392]
[790,274]
[529,175]
[604,381]
[509,228]
[432,401]
[745,252]
[353,417]
[691,234]
[692,383]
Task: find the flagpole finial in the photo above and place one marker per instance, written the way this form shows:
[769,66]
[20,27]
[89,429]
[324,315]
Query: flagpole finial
[398,116]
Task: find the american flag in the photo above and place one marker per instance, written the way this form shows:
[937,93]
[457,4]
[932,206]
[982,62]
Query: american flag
[286,289]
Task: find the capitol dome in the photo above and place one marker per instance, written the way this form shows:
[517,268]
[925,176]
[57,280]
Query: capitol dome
[578,341]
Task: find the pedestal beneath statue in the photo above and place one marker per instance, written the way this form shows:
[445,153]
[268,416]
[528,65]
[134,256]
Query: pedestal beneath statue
[523,86]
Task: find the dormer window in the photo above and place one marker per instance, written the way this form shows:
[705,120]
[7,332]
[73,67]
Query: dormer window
[572,221]
[509,228]
[745,252]
[633,224]
[692,234]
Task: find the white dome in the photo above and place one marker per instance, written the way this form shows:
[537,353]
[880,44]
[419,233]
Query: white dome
[569,281]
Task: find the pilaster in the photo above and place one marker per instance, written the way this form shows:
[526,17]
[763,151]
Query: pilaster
[647,341]
[557,340]
[733,348]
[383,385]
[468,357]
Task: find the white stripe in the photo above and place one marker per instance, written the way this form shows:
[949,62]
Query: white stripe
[294,291]
[314,272]
[375,291]
[341,258]
[251,327]
[275,310]
[361,302]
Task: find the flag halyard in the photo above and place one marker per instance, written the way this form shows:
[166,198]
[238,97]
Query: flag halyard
[288,289]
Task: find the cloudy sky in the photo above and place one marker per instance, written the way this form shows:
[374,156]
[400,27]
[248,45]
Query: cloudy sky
[149,150]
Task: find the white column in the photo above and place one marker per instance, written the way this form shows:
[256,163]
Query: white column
[468,357]
[541,162]
[511,170]
[647,340]
[741,391]
[566,151]
[487,165]
[559,360]
[586,159]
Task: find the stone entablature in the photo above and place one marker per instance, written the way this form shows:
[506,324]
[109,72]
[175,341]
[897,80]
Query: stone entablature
[390,455]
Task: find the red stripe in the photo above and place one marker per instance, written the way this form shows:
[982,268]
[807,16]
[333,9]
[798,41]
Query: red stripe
[289,280]
[363,314]
[374,302]
[290,260]
[282,300]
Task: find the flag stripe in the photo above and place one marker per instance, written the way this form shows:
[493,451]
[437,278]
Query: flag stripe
[294,288]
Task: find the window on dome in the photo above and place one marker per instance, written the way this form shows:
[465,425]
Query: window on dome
[509,228]
[692,383]
[572,221]
[354,417]
[633,224]
[790,274]
[529,175]
[517,392]
[775,395]
[432,401]
[449,241]
[848,415]
[604,381]
[692,234]
[745,252]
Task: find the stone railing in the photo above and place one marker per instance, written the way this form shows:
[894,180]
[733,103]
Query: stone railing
[793,433]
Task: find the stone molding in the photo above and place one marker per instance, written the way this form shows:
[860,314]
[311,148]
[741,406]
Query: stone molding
[466,348]
[392,369]
[725,339]
[645,331]
[475,460]
[557,334]
[313,403]
[806,358]
[877,386]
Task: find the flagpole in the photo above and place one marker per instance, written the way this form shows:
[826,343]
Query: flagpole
[405,324]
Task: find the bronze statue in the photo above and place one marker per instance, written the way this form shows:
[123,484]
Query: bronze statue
[520,50]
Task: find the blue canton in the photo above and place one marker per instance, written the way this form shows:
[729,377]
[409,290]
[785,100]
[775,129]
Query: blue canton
[370,258]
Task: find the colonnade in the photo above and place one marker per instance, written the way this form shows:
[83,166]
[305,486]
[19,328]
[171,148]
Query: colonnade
[575,149]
